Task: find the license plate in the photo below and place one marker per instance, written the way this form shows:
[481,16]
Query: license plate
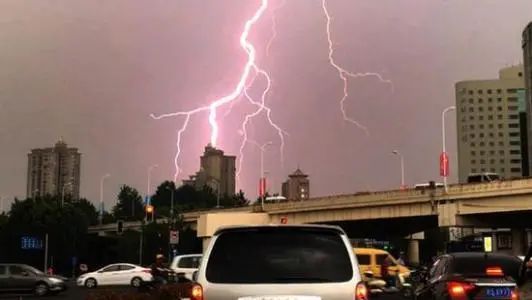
[279,297]
[501,292]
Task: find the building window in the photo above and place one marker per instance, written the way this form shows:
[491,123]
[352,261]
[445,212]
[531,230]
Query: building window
[480,92]
[492,169]
[512,99]
[492,144]
[501,160]
[473,161]
[470,92]
[490,117]
[499,108]
[492,161]
[499,100]
[490,100]
[501,134]
[471,126]
[481,108]
[473,153]
[514,134]
[472,144]
[491,127]
[501,152]
[473,170]
[515,143]
[471,118]
[515,161]
[481,134]
[482,161]
[472,135]
[511,91]
[480,100]
[499,125]
[513,125]
[491,134]
[471,109]
[512,108]
[499,117]
[481,126]
[482,144]
[483,170]
[501,143]
[471,100]
[482,153]
[513,117]
[489,91]
[515,170]
[492,152]
[499,91]
[480,118]
[503,170]
[490,108]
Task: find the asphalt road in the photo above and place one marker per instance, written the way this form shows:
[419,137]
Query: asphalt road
[80,293]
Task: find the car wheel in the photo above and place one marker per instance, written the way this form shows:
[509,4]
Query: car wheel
[136,282]
[90,283]
[41,289]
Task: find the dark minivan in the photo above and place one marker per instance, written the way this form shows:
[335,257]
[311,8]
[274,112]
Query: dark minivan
[19,278]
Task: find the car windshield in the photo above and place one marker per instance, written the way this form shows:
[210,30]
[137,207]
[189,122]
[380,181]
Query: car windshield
[476,265]
[279,256]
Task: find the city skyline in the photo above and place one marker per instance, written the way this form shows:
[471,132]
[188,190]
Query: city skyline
[159,62]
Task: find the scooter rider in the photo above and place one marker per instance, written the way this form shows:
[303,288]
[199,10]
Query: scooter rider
[158,270]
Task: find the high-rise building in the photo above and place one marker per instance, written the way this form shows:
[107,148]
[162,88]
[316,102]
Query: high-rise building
[217,171]
[54,171]
[492,125]
[527,59]
[297,186]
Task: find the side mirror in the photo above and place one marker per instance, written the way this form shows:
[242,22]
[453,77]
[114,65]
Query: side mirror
[195,276]
[25,274]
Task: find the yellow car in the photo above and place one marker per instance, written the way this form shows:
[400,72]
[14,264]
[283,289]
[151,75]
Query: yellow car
[370,259]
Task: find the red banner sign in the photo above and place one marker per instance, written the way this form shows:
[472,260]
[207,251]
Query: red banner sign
[444,165]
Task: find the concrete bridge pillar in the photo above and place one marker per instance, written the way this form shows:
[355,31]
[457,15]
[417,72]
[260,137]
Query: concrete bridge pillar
[413,251]
[518,238]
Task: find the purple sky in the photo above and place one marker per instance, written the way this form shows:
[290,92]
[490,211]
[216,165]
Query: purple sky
[93,71]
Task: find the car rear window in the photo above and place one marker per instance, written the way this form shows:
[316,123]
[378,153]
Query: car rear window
[363,259]
[189,262]
[475,265]
[279,255]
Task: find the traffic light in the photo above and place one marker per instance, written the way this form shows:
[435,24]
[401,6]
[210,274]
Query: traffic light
[149,211]
[119,226]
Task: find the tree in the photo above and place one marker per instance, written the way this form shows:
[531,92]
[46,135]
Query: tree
[88,209]
[129,205]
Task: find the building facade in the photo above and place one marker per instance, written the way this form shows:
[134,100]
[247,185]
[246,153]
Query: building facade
[217,171]
[527,60]
[297,187]
[492,125]
[54,171]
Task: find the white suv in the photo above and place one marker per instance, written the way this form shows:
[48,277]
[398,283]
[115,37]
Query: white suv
[186,264]
[279,262]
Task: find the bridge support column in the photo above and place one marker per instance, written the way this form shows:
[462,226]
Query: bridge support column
[413,251]
[205,241]
[518,237]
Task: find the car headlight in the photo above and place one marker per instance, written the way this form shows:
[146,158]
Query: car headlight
[55,280]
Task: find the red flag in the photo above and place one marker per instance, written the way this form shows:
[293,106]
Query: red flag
[444,165]
[262,187]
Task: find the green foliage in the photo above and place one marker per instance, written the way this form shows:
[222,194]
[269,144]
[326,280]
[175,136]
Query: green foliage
[129,206]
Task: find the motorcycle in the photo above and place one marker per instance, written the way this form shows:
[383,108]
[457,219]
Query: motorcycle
[375,286]
[168,277]
[411,282]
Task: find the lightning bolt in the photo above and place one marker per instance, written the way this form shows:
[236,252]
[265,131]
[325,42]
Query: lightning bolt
[240,89]
[274,26]
[345,74]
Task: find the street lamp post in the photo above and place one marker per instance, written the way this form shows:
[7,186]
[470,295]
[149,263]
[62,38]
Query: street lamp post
[396,152]
[150,169]
[262,175]
[172,191]
[444,153]
[101,196]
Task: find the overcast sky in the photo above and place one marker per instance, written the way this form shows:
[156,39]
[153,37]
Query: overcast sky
[93,71]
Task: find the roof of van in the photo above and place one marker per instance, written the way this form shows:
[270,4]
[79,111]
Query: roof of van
[259,227]
[370,251]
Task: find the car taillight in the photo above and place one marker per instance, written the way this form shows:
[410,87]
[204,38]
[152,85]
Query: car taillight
[494,271]
[197,292]
[515,294]
[361,292]
[459,290]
